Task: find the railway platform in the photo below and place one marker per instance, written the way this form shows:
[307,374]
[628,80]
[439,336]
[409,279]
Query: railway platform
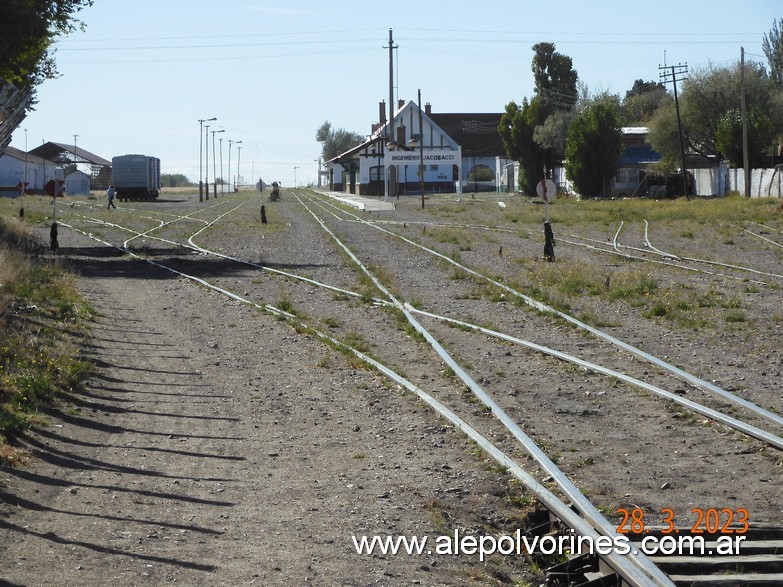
[363,203]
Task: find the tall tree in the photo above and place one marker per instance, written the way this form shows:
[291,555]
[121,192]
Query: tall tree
[556,91]
[554,77]
[517,127]
[773,49]
[333,142]
[594,145]
[642,101]
[28,29]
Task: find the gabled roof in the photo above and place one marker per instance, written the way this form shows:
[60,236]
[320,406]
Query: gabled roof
[355,150]
[403,113]
[476,133]
[54,152]
[20,155]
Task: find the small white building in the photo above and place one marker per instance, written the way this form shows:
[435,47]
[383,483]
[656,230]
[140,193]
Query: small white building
[77,184]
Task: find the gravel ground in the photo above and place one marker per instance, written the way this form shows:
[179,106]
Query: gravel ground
[217,445]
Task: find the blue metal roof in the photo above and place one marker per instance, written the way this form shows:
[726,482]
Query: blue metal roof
[639,155]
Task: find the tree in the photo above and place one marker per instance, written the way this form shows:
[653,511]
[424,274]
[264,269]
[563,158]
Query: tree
[175,180]
[773,49]
[523,129]
[594,145]
[28,29]
[728,137]
[334,142]
[516,129]
[554,77]
[642,101]
[707,97]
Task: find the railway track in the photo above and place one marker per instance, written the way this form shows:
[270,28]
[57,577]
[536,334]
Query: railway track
[328,289]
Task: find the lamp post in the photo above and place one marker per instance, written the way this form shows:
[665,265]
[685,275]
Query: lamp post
[214,165]
[295,168]
[239,155]
[200,157]
[222,177]
[206,161]
[319,171]
[230,142]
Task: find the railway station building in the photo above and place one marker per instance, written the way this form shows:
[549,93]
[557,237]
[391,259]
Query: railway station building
[462,152]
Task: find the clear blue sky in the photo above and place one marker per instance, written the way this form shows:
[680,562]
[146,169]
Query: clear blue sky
[142,74]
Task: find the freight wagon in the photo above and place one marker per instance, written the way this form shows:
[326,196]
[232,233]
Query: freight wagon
[136,177]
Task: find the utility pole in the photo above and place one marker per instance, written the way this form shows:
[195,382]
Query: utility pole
[201,157]
[677,70]
[206,160]
[390,126]
[743,106]
[421,153]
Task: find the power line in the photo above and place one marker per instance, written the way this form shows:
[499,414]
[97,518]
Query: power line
[666,77]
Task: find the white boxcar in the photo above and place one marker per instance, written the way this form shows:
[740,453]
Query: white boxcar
[136,177]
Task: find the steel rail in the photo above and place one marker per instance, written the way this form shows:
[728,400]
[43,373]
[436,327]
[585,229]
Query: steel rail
[583,505]
[620,563]
[716,415]
[764,238]
[694,260]
[194,247]
[694,406]
[542,307]
[647,243]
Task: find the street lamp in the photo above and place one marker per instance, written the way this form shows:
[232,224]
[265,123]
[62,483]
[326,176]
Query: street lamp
[206,159]
[295,168]
[230,142]
[319,171]
[200,159]
[214,165]
[222,177]
[239,155]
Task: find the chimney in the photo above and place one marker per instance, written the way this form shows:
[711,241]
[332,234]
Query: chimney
[382,111]
[401,135]
[400,103]
[427,108]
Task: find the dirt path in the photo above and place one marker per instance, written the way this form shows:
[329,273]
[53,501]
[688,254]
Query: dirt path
[216,446]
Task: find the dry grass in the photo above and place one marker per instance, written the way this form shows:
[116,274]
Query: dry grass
[37,360]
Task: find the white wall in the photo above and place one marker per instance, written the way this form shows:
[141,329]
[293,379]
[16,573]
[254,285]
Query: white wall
[763,182]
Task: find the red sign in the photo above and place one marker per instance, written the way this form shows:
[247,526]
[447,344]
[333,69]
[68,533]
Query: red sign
[55,186]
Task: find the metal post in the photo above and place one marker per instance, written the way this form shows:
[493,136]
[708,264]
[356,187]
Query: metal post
[201,158]
[222,178]
[214,164]
[200,161]
[295,168]
[546,196]
[239,154]
[206,161]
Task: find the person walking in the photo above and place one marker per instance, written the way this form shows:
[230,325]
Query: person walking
[110,193]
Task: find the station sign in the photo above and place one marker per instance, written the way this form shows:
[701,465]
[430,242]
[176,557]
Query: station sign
[431,157]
